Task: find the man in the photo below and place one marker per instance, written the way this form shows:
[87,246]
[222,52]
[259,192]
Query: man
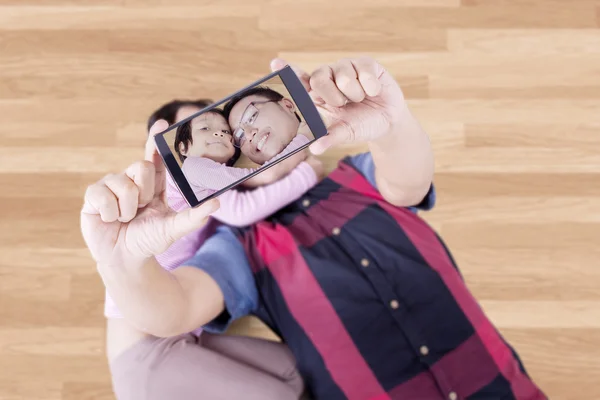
[362,290]
[264,123]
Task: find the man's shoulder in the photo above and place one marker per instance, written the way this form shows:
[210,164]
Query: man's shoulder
[223,237]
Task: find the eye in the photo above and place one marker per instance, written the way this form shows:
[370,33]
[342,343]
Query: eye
[252,117]
[226,131]
[204,128]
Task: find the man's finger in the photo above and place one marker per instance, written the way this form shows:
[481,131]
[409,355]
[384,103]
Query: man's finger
[278,63]
[101,201]
[143,175]
[368,72]
[127,194]
[346,80]
[323,85]
[182,223]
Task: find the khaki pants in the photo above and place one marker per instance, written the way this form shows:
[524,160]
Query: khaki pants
[212,367]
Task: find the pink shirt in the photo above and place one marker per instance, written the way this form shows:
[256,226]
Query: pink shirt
[237,208]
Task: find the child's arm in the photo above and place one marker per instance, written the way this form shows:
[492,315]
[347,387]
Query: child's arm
[245,208]
[212,175]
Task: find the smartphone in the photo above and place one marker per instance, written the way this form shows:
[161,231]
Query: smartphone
[240,136]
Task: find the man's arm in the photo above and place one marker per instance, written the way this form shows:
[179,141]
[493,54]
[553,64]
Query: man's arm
[214,287]
[404,163]
[163,303]
[361,101]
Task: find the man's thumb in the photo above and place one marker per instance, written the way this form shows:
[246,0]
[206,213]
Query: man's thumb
[338,133]
[185,222]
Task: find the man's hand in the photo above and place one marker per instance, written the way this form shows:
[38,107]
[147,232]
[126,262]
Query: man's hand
[358,98]
[317,166]
[361,102]
[125,218]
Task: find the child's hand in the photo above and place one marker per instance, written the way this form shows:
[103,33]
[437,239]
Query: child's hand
[316,165]
[125,218]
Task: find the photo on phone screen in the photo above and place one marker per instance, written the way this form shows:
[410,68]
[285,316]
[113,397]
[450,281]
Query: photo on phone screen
[240,136]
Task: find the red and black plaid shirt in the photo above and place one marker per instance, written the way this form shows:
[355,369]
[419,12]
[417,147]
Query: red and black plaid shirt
[371,303]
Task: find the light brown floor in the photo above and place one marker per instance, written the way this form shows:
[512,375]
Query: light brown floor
[509,91]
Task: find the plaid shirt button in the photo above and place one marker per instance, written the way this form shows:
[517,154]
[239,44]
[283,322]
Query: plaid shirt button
[394,304]
[336,231]
[364,262]
[306,203]
[424,350]
[452,396]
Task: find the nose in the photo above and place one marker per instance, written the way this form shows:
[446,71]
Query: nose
[251,132]
[218,134]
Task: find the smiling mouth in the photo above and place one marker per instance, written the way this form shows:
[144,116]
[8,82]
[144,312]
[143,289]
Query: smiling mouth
[216,142]
[260,144]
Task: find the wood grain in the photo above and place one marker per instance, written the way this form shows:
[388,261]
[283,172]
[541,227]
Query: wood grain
[509,91]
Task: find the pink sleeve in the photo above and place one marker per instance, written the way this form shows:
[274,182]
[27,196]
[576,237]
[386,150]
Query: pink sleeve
[245,208]
[208,174]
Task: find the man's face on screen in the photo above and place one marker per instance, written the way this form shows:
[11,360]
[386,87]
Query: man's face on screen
[266,127]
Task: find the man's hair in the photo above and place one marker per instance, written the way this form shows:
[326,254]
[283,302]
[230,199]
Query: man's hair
[262,91]
[168,111]
[183,136]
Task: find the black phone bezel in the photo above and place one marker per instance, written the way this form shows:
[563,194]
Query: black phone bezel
[304,104]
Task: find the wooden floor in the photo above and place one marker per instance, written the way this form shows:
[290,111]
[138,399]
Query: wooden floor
[509,91]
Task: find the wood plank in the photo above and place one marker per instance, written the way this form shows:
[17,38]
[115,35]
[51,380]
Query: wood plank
[52,341]
[499,235]
[30,389]
[530,210]
[83,160]
[554,274]
[381,19]
[543,314]
[21,257]
[49,285]
[87,391]
[117,17]
[524,42]
[493,184]
[528,136]
[46,185]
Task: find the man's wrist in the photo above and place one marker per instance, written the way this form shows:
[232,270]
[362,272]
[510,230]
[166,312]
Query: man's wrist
[123,266]
[402,123]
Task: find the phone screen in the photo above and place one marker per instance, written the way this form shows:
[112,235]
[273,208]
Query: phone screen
[240,136]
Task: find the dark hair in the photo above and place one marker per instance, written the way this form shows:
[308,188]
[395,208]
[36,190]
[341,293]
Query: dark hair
[168,111]
[183,136]
[262,91]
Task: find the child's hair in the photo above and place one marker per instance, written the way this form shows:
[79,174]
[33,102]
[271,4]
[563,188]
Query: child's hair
[184,137]
[261,91]
[168,111]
